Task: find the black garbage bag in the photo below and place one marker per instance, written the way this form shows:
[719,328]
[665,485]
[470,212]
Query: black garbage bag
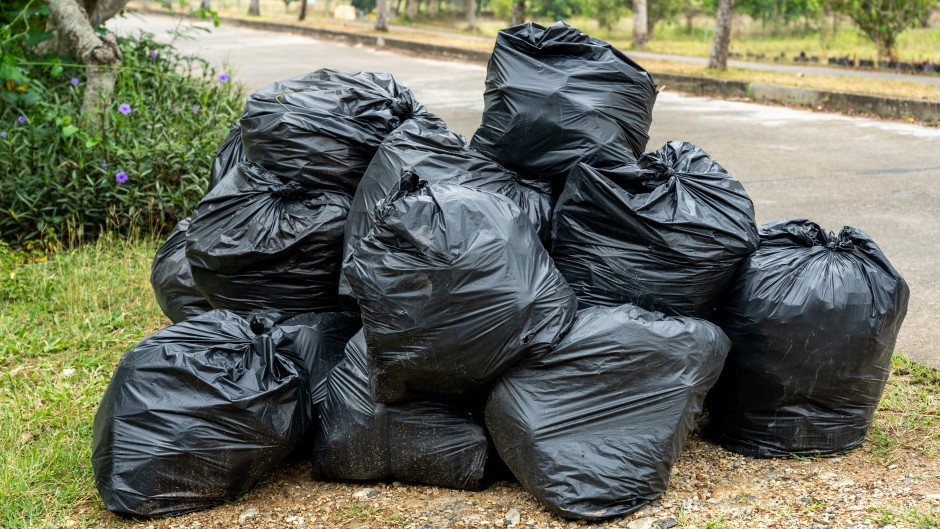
[172,280]
[454,287]
[230,154]
[433,442]
[322,129]
[258,242]
[195,415]
[665,233]
[424,146]
[593,428]
[813,318]
[318,341]
[556,96]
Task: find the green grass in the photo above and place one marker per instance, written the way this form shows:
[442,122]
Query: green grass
[64,323]
[909,414]
[907,516]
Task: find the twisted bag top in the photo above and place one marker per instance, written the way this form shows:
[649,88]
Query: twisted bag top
[555,96]
[665,232]
[253,217]
[454,287]
[322,129]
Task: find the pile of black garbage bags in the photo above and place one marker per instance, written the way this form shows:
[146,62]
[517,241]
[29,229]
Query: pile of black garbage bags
[363,287]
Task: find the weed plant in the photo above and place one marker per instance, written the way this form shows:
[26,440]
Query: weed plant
[144,167]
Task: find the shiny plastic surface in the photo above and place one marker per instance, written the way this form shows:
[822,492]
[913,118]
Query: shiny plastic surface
[814,317]
[197,414]
[434,442]
[665,233]
[172,280]
[322,129]
[556,96]
[258,242]
[454,287]
[592,428]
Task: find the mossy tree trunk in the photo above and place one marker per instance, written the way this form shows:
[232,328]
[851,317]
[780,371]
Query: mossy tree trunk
[99,53]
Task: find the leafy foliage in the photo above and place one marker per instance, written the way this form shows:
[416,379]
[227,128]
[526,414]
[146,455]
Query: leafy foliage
[883,20]
[145,167]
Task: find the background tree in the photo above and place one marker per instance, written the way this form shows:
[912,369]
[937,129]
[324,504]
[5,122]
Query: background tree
[381,15]
[518,12]
[640,24]
[99,52]
[779,13]
[254,8]
[606,12]
[471,7]
[883,20]
[661,10]
[718,58]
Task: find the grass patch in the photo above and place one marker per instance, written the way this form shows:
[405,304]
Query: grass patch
[908,516]
[909,414]
[65,320]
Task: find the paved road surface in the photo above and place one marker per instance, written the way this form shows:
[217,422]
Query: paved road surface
[882,177]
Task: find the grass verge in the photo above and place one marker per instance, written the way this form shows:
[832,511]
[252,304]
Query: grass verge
[64,323]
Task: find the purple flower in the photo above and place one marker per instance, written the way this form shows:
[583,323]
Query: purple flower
[120,177]
[74,81]
[195,109]
[104,164]
[175,109]
[124,108]
[21,119]
[153,54]
[3,134]
[224,77]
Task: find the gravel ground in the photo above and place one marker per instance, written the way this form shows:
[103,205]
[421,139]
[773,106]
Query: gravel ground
[710,488]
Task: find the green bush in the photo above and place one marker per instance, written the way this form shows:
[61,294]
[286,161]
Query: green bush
[145,167]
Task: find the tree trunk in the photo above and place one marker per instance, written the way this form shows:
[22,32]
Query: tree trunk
[101,10]
[205,4]
[411,9]
[100,53]
[518,12]
[381,22]
[640,24]
[254,8]
[718,58]
[471,6]
[433,7]
[303,10]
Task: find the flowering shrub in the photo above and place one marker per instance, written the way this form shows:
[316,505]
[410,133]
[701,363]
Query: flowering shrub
[146,165]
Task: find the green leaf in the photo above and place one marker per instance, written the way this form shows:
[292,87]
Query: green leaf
[69,131]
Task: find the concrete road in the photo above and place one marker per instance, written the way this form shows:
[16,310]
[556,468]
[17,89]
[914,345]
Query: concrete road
[881,177]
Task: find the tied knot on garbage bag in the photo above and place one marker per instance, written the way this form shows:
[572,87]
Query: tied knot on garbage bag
[665,232]
[289,190]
